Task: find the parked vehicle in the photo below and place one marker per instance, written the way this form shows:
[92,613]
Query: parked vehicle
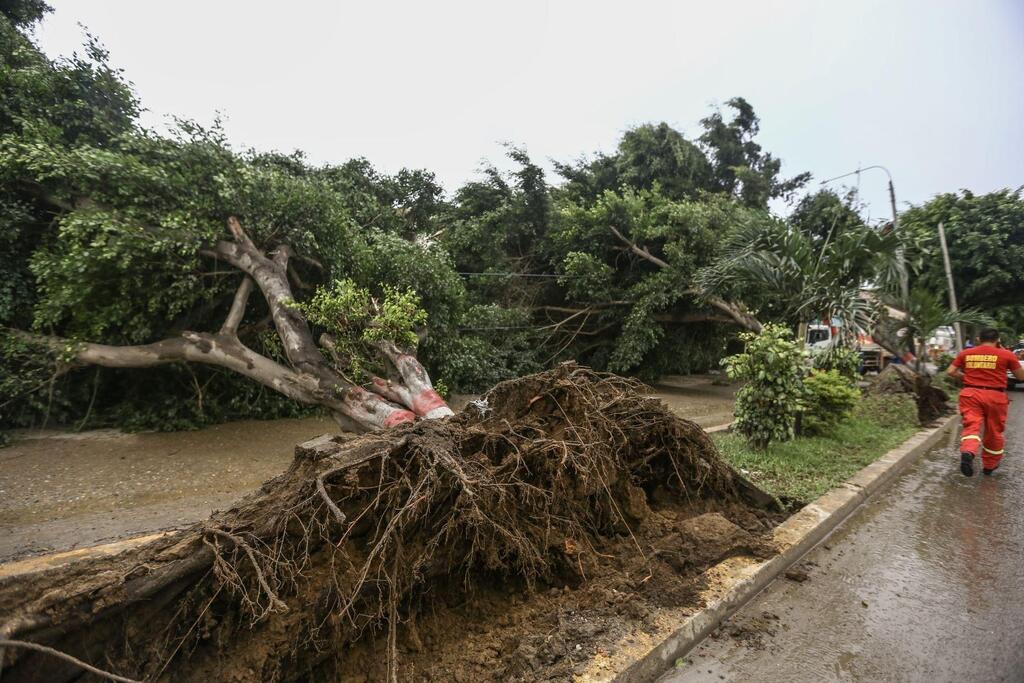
[873,358]
[1018,350]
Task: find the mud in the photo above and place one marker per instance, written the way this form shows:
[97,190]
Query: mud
[556,632]
[61,491]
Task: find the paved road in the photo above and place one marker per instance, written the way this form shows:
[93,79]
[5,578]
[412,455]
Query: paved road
[926,583]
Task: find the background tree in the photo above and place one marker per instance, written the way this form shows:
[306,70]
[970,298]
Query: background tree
[824,214]
[740,167]
[985,235]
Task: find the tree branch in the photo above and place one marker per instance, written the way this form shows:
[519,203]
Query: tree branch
[639,251]
[210,349]
[237,312]
[271,276]
[736,312]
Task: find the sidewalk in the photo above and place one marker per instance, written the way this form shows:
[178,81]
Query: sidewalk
[924,584]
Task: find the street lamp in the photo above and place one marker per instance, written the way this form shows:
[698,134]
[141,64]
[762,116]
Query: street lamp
[904,282]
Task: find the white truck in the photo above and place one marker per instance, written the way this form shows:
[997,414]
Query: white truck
[872,356]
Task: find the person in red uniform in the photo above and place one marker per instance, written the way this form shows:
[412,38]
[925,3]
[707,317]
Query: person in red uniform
[983,401]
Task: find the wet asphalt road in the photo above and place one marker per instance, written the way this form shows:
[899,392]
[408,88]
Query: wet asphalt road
[925,583]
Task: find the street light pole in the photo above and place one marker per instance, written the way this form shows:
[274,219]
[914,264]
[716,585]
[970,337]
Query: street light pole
[952,290]
[904,278]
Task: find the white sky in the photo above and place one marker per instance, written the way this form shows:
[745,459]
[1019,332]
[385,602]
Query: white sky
[932,89]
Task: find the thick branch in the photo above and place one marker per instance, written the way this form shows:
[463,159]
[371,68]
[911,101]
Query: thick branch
[237,312]
[639,251]
[425,401]
[271,276]
[220,350]
[734,311]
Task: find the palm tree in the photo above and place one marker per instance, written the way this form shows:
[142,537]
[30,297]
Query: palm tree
[786,275]
[924,314]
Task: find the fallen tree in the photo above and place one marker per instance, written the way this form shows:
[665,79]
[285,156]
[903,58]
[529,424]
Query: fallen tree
[532,484]
[309,377]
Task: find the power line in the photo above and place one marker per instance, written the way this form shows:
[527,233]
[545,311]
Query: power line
[500,274]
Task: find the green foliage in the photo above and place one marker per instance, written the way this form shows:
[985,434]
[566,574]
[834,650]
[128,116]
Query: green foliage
[494,344]
[888,410]
[830,399]
[739,167]
[823,215]
[788,275]
[841,359]
[644,308]
[985,235]
[800,470]
[357,322]
[771,366]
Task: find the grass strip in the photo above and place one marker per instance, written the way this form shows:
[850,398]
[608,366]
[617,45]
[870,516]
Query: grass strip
[800,470]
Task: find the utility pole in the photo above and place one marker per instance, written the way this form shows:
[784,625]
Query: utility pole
[952,290]
[904,277]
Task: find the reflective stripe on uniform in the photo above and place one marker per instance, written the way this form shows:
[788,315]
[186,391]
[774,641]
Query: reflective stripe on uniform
[971,436]
[992,452]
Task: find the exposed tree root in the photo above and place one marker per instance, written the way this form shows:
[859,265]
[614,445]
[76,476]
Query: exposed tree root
[932,402]
[524,484]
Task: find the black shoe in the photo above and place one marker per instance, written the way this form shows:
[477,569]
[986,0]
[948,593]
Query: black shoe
[989,470]
[967,464]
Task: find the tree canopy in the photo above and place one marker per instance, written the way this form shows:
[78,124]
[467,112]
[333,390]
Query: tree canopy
[646,260]
[985,236]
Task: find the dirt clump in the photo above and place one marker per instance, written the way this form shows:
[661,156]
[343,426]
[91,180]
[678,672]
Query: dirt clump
[932,402]
[512,541]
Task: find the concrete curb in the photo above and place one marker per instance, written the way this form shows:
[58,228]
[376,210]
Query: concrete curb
[738,581]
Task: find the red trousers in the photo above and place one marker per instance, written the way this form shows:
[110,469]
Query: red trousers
[980,407]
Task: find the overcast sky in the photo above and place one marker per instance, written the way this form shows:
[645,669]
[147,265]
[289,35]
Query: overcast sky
[932,89]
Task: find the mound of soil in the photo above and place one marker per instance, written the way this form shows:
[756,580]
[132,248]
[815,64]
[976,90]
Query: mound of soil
[512,541]
[932,402]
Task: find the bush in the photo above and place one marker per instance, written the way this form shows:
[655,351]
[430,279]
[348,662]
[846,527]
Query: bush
[831,398]
[843,360]
[888,410]
[767,405]
[943,362]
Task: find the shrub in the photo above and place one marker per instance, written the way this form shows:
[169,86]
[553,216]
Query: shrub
[943,362]
[888,410]
[772,366]
[843,360]
[831,398]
